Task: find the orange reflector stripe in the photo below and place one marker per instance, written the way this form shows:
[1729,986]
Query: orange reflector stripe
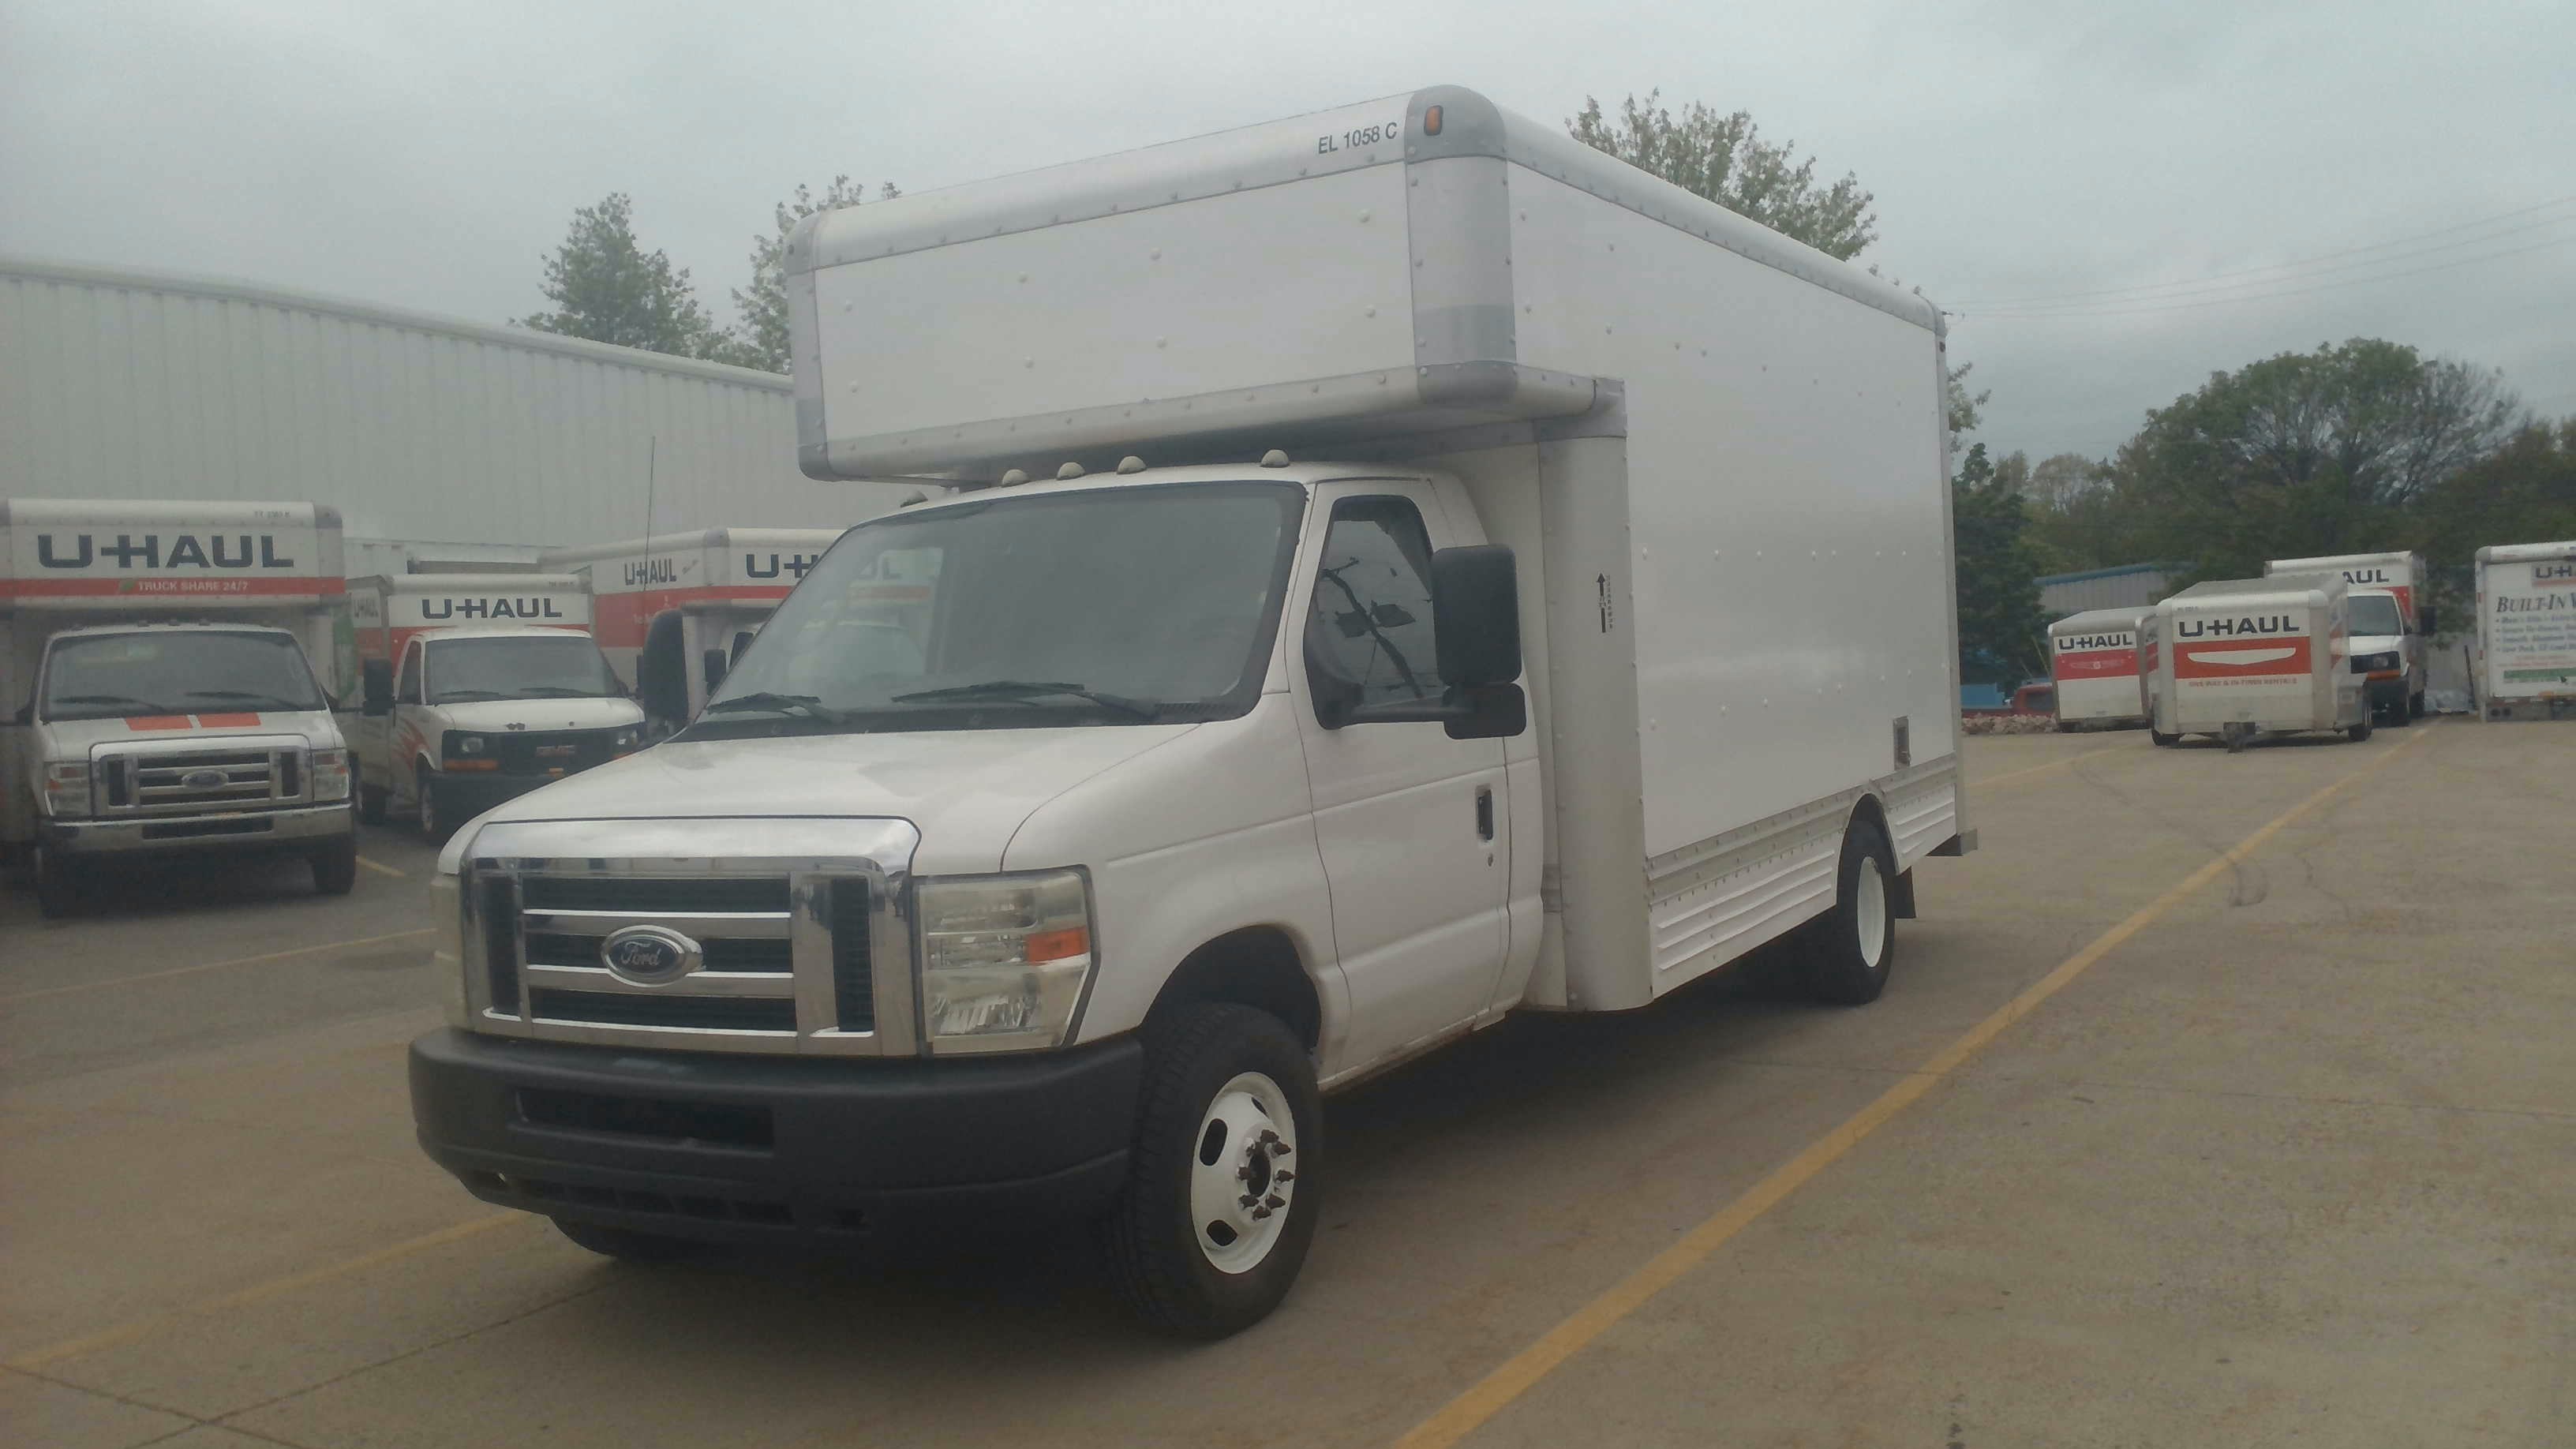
[473,765]
[1058,945]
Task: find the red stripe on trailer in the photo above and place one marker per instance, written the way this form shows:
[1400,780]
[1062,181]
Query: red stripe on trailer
[2095,663]
[2252,657]
[165,587]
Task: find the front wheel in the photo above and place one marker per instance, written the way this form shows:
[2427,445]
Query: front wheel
[2160,739]
[1851,949]
[58,881]
[371,804]
[1220,1203]
[433,820]
[2361,731]
[626,1244]
[335,866]
[2415,705]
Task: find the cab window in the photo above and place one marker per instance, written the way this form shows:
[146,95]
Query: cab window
[407,689]
[1370,622]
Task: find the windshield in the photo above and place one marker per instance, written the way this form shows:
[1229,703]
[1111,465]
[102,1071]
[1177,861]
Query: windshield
[1120,605]
[117,676]
[2375,614]
[526,666]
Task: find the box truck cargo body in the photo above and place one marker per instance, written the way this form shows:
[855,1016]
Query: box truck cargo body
[706,593]
[159,686]
[2093,664]
[2526,640]
[2391,636]
[474,688]
[1383,595]
[2237,658]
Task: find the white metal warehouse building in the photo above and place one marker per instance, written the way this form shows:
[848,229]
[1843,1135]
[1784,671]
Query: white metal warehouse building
[436,439]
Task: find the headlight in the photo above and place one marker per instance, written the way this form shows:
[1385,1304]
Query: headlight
[330,774]
[67,789]
[2369,663]
[466,744]
[627,738]
[447,944]
[1003,959]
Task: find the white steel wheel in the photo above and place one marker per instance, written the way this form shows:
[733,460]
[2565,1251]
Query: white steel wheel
[1851,948]
[1243,1173]
[1870,901]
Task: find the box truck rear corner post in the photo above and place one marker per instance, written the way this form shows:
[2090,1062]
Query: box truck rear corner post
[1372,608]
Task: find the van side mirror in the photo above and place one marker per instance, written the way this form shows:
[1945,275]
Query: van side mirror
[714,663]
[1476,615]
[376,687]
[662,669]
[741,641]
[2427,621]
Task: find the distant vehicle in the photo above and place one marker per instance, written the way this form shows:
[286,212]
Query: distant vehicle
[2390,638]
[2239,658]
[2039,696]
[2526,640]
[2093,659]
[160,689]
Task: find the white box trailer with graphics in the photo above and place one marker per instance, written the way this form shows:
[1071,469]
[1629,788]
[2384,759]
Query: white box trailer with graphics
[2240,658]
[475,688]
[2392,624]
[159,688]
[1511,688]
[2093,667]
[2526,641]
[695,597]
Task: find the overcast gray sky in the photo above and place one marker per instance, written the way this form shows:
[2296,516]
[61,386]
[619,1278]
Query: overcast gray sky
[427,156]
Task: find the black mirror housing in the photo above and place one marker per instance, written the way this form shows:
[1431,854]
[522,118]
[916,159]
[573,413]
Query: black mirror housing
[714,663]
[662,669]
[376,686]
[1476,615]
[2427,620]
[1491,712]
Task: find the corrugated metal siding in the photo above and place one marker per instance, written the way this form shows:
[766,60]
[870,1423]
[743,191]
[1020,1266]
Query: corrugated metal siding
[2121,589]
[132,386]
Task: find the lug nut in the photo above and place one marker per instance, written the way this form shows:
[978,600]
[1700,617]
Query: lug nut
[1279,1148]
[1283,1175]
[1273,1202]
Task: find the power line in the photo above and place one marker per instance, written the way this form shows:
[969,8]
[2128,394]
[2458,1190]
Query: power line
[2126,311]
[2194,282]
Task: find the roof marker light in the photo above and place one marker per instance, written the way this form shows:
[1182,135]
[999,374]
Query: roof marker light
[1069,470]
[1131,464]
[1431,121]
[1014,478]
[1275,458]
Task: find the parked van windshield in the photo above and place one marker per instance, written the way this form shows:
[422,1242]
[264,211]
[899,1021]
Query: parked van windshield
[1112,605]
[2375,614]
[525,666]
[176,671]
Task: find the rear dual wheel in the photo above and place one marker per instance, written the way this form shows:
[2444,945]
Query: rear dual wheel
[1851,949]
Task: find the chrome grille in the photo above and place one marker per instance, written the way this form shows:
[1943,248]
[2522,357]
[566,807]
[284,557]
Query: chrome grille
[197,780]
[787,933]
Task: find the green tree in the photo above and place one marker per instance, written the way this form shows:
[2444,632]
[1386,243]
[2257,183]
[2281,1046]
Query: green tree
[2000,621]
[2523,492]
[762,337]
[1725,159]
[607,288]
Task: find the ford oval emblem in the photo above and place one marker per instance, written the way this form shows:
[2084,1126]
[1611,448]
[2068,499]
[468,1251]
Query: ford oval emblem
[203,780]
[649,955]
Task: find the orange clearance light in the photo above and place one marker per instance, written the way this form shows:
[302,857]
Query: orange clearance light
[1431,121]
[1057,945]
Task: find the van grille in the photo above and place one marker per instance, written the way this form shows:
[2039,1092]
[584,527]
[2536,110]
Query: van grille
[197,781]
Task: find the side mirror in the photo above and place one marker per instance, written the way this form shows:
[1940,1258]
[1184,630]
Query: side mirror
[1476,615]
[376,687]
[741,641]
[714,663]
[2428,621]
[662,669]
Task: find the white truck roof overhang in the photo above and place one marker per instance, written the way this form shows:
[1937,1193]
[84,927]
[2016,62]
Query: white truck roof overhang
[2526,552]
[2098,621]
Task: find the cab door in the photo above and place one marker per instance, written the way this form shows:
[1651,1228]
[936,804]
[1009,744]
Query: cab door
[404,742]
[1409,821]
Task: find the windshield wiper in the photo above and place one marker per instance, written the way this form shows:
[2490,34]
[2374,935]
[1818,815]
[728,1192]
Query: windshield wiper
[458,696]
[149,706]
[801,704]
[270,700]
[1026,691]
[558,691]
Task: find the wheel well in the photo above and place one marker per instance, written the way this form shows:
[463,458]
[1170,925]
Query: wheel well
[1900,883]
[1876,814]
[1258,967]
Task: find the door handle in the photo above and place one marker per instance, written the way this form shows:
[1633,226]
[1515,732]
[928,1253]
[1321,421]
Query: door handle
[1484,813]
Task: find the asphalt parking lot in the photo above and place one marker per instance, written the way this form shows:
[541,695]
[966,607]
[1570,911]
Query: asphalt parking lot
[2218,1100]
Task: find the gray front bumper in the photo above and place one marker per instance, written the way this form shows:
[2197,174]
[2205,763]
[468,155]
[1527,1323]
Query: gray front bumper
[215,831]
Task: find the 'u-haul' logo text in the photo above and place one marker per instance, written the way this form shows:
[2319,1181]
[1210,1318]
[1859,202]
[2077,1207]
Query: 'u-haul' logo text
[2552,572]
[2243,626]
[640,573]
[770,566]
[2078,643]
[499,608]
[183,551]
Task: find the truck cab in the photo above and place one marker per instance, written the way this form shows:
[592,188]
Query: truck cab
[467,718]
[2393,620]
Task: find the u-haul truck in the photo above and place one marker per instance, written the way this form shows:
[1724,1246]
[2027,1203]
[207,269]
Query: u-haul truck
[2526,649]
[698,597]
[2093,663]
[2237,658]
[476,688]
[2392,624]
[159,689]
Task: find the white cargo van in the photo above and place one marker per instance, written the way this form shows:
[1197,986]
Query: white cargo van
[2093,667]
[2240,658]
[695,598]
[476,688]
[1413,618]
[2392,624]
[2526,646]
[160,691]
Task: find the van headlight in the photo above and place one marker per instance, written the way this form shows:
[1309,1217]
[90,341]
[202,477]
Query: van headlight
[330,774]
[67,789]
[2370,663]
[1004,958]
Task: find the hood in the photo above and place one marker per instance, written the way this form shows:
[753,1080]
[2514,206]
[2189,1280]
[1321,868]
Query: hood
[967,791]
[497,716]
[73,739]
[2374,644]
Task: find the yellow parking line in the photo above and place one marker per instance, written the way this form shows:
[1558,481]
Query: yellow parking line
[126,1333]
[2040,769]
[1518,1374]
[381,868]
[213,966]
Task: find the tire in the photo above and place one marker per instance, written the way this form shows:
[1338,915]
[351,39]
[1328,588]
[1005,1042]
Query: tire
[1851,950]
[2160,739]
[335,866]
[1189,1255]
[2415,705]
[2065,727]
[2361,731]
[434,826]
[2399,717]
[371,804]
[59,887]
[627,1245]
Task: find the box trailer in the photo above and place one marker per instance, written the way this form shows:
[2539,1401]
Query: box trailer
[2392,624]
[2526,639]
[475,688]
[159,687]
[698,597]
[2240,658]
[2093,662]
[1384,594]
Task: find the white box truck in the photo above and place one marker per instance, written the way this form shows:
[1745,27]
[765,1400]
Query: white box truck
[2392,624]
[2093,670]
[2240,658]
[475,688]
[2526,641]
[160,689]
[694,598]
[1416,617]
